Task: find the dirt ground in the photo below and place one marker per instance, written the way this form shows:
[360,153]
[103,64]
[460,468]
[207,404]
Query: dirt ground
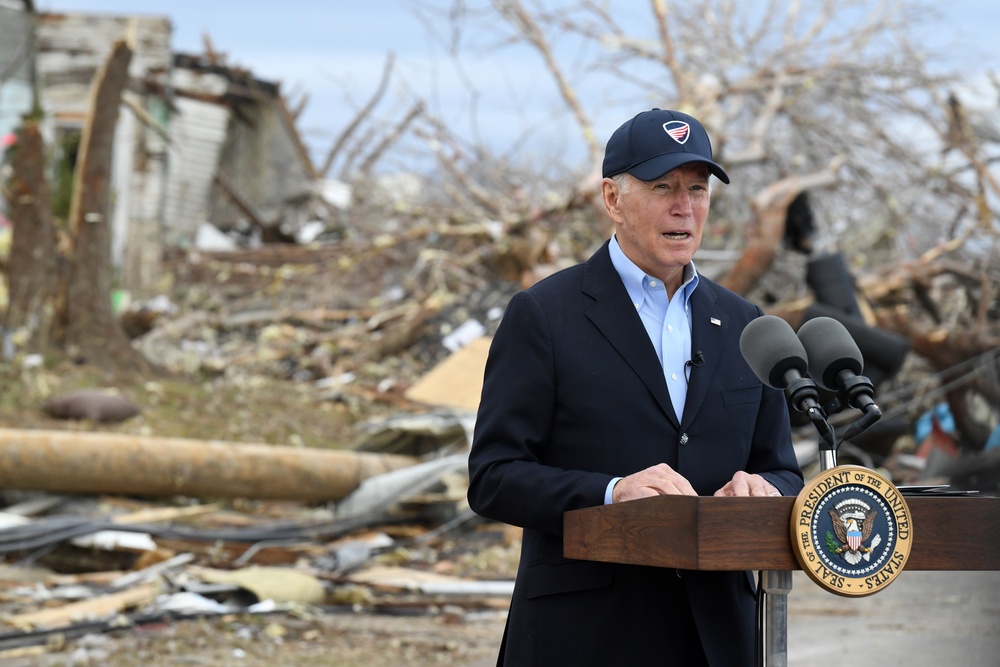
[923,619]
[327,640]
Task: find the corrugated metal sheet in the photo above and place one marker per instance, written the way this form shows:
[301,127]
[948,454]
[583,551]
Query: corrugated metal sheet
[198,131]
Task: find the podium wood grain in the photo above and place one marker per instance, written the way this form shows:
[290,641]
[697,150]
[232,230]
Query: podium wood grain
[708,533]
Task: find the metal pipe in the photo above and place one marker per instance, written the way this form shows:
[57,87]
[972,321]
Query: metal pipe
[775,586]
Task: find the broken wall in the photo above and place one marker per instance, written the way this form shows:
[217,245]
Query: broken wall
[71,49]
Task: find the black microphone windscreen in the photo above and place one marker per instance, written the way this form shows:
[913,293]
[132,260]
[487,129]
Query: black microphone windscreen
[771,348]
[831,349]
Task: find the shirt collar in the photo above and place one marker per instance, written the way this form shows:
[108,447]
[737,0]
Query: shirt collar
[633,276]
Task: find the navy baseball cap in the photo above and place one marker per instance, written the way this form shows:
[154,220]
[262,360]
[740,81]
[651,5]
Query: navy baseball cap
[657,141]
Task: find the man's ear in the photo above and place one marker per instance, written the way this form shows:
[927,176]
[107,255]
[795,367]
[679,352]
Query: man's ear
[610,193]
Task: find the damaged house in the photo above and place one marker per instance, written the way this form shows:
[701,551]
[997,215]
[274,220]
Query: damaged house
[196,141]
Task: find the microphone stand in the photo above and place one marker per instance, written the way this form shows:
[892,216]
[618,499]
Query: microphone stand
[804,397]
[775,585]
[801,393]
[856,391]
[827,440]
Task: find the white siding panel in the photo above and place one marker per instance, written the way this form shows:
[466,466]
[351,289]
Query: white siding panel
[198,131]
[72,47]
[122,164]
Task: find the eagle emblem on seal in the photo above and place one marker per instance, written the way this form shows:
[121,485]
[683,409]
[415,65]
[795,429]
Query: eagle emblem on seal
[853,522]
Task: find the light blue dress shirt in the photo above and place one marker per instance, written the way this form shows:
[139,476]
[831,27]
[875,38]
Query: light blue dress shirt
[668,324]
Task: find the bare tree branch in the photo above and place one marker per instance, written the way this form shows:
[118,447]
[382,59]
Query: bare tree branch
[530,31]
[359,117]
[365,168]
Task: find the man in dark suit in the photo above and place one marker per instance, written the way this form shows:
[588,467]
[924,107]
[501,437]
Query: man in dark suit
[622,378]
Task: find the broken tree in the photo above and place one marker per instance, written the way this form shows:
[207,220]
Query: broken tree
[91,329]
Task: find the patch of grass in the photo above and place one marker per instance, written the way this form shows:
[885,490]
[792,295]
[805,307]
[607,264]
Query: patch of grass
[260,410]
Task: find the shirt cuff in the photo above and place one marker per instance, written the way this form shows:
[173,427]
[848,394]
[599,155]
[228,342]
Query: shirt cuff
[608,491]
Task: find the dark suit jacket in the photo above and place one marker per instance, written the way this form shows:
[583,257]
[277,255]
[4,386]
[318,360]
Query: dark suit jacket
[574,395]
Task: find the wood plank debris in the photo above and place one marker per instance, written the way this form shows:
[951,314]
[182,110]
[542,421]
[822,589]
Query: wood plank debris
[98,607]
[364,570]
[280,584]
[430,583]
[457,381]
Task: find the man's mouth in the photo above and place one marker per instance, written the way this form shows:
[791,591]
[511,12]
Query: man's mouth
[677,236]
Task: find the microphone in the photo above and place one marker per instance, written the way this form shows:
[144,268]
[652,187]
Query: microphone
[836,361]
[779,360]
[697,360]
[837,364]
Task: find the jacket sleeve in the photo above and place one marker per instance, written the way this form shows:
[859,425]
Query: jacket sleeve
[508,479]
[772,455]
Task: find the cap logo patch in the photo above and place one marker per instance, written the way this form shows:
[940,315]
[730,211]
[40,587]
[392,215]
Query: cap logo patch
[678,130]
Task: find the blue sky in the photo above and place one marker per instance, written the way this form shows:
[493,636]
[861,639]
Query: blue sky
[335,50]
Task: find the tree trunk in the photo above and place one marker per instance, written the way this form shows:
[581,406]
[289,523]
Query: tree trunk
[32,263]
[764,236]
[93,334]
[765,233]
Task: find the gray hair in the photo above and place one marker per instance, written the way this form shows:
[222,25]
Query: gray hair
[624,182]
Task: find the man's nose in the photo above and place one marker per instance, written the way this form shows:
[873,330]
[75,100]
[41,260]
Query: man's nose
[682,203]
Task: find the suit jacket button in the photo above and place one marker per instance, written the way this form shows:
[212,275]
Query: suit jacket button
[684,438]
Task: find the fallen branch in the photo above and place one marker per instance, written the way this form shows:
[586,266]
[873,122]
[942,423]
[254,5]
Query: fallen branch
[766,232]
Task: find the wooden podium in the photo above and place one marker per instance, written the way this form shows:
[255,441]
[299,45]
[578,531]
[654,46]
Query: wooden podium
[708,533]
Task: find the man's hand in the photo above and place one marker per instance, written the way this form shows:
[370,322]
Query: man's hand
[659,480]
[745,484]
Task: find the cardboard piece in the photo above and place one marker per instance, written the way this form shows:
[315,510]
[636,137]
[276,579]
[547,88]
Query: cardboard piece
[456,382]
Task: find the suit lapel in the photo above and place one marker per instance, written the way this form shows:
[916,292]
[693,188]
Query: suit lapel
[614,315]
[709,329]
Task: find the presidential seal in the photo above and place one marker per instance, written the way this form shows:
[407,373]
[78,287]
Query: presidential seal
[851,531]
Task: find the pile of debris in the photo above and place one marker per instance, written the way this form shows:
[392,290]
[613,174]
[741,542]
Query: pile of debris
[402,322]
[402,541]
[167,528]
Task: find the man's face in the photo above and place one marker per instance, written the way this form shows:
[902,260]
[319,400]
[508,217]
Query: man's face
[659,223]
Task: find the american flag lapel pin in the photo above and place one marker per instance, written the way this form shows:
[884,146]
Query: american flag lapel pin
[716,321]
